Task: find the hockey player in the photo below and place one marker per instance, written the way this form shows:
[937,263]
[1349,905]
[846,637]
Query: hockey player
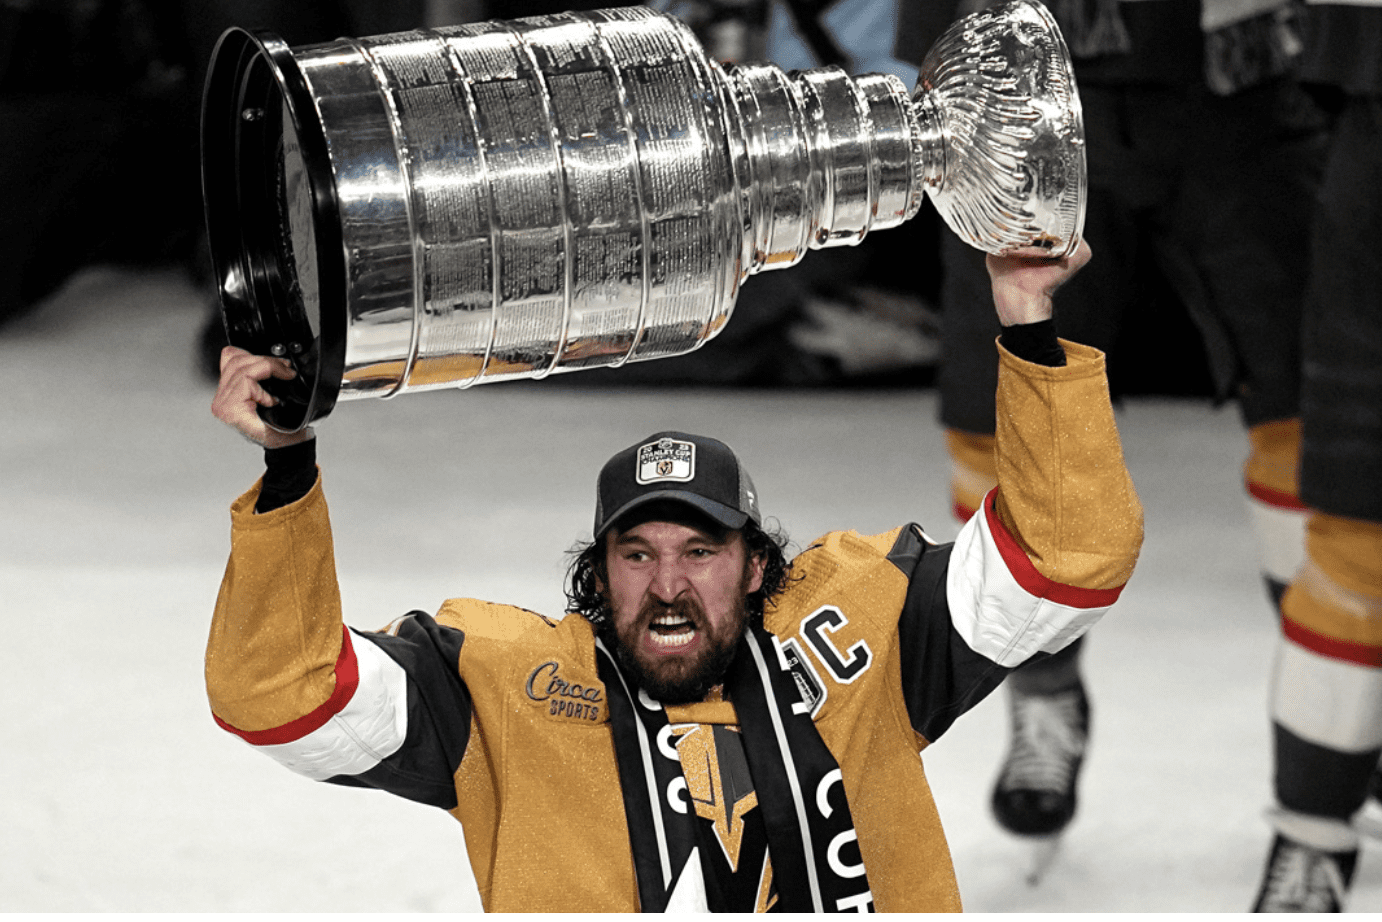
[721,730]
[1201,148]
[1326,697]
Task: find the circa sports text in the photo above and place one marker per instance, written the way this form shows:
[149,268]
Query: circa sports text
[564,698]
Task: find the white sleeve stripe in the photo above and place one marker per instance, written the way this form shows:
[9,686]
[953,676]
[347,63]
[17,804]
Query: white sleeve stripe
[1326,701]
[997,618]
[370,728]
[1280,538]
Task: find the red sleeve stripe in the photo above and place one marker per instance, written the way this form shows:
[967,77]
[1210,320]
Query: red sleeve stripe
[1027,575]
[1346,650]
[347,679]
[1279,498]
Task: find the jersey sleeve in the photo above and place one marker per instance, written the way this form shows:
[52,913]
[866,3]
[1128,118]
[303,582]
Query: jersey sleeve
[381,709]
[1065,499]
[1044,558]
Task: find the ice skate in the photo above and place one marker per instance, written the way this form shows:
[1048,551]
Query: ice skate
[1035,794]
[1300,878]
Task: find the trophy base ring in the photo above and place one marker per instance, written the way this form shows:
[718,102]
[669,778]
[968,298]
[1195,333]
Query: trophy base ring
[253,90]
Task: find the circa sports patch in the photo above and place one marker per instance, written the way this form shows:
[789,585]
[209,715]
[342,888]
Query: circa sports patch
[666,460]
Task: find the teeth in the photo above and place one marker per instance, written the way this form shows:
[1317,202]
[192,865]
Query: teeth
[669,631]
[672,640]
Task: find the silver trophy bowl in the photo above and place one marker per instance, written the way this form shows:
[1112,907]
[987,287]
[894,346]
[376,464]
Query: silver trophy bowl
[507,200]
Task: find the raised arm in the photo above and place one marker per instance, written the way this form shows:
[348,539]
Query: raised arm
[1052,546]
[283,672]
[1065,520]
[1064,490]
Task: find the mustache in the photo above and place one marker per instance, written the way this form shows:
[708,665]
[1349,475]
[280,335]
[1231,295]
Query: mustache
[685,607]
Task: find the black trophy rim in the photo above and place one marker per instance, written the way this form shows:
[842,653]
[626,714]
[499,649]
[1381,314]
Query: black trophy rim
[252,80]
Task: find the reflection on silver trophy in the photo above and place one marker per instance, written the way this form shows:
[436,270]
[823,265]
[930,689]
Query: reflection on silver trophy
[504,200]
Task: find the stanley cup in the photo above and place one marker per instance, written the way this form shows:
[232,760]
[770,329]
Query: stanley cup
[505,200]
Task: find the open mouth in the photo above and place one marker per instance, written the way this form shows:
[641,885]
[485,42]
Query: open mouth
[671,632]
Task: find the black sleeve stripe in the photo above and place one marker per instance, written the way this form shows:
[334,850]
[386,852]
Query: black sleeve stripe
[941,676]
[439,711]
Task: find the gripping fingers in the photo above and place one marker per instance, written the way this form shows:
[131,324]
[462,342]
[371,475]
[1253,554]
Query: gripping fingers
[263,397]
[240,392]
[236,362]
[1024,285]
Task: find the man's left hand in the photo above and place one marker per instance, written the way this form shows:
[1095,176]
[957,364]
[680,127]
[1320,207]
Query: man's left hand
[1024,282]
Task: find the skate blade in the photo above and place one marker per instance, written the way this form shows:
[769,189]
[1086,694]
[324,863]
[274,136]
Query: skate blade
[1044,850]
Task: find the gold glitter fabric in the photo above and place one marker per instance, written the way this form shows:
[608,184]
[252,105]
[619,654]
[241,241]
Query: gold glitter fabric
[1274,459]
[537,781]
[1337,596]
[972,470]
[1064,490]
[863,717]
[538,788]
[544,773]
[260,634]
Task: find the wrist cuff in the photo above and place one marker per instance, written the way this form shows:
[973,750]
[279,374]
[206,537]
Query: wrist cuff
[1034,342]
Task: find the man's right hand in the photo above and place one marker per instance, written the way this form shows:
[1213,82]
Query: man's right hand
[239,395]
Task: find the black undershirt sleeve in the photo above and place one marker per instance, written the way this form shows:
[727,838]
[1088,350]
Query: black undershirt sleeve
[288,475]
[1034,342]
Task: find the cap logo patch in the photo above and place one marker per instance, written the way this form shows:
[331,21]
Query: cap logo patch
[666,460]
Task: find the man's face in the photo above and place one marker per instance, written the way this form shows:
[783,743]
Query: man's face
[677,599]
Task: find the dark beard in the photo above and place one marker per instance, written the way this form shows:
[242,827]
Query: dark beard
[692,681]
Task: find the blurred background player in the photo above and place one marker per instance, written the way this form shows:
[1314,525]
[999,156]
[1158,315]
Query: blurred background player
[99,153]
[1326,697]
[1203,154]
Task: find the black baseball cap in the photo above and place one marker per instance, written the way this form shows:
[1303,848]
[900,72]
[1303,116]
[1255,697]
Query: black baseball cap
[701,472]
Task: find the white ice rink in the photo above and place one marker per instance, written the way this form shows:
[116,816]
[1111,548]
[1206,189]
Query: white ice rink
[120,793]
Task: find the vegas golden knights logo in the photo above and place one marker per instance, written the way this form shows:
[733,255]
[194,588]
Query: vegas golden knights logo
[717,783]
[665,459]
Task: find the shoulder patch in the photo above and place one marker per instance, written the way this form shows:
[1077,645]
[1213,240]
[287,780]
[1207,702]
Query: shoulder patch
[565,694]
[809,684]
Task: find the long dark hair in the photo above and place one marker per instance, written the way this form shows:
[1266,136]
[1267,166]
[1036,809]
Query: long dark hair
[587,571]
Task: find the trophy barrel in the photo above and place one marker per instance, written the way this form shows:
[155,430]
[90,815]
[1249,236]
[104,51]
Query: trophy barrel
[477,203]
